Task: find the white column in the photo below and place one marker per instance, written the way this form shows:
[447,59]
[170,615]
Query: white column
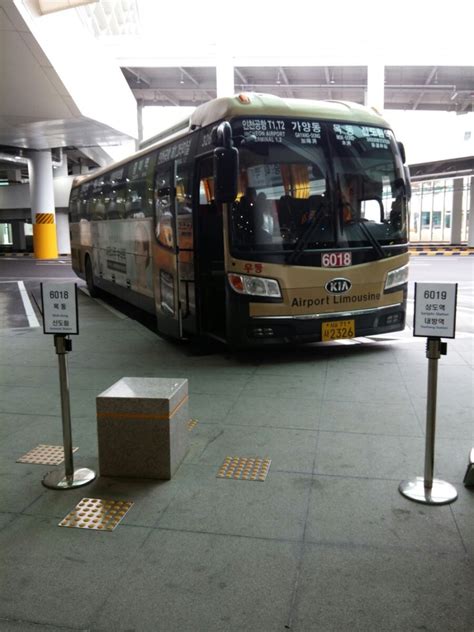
[470,241]
[42,204]
[456,219]
[62,230]
[375,94]
[60,171]
[224,68]
[139,123]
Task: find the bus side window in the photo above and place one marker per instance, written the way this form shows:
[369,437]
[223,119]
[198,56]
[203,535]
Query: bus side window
[210,221]
[163,211]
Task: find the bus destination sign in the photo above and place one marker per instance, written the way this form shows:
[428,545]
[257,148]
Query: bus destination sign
[59,308]
[435,310]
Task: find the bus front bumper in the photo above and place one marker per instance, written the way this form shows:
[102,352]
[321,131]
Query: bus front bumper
[295,329]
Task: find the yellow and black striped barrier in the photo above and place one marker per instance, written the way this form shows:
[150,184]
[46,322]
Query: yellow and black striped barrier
[44,236]
[441,251]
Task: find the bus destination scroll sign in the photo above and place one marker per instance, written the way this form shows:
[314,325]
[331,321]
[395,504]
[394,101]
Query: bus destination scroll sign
[435,310]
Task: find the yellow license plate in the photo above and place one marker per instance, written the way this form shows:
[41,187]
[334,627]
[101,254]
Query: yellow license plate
[337,329]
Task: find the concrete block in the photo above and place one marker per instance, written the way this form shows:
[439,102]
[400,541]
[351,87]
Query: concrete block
[142,427]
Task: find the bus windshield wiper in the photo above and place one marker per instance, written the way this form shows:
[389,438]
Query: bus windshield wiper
[373,242]
[303,241]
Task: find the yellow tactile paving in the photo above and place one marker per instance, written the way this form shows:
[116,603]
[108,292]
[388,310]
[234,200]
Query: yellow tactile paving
[98,514]
[192,423]
[45,455]
[245,468]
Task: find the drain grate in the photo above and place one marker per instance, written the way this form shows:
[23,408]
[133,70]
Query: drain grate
[95,513]
[192,423]
[45,455]
[244,468]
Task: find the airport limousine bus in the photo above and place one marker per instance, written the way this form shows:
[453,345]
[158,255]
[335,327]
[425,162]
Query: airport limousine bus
[261,220]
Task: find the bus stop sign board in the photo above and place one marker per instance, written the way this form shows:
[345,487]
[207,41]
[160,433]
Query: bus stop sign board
[435,310]
[59,308]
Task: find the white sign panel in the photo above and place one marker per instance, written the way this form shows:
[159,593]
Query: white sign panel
[435,310]
[59,308]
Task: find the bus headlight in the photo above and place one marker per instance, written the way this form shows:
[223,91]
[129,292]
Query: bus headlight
[396,277]
[254,286]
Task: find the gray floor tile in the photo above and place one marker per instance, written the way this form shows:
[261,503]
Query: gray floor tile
[213,408]
[275,508]
[275,411]
[21,484]
[289,450]
[192,581]
[463,512]
[356,385]
[374,513]
[150,499]
[356,590]
[10,423]
[397,458]
[370,417]
[60,576]
[26,626]
[452,420]
[284,386]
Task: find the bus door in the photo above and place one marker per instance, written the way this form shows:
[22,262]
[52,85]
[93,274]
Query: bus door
[211,282]
[166,254]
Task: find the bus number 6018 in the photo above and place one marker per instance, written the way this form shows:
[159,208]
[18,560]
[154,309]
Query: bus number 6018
[336,259]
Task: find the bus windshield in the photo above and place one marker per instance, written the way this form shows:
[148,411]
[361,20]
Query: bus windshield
[307,185]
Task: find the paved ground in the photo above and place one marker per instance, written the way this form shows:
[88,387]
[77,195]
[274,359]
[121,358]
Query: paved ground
[326,543]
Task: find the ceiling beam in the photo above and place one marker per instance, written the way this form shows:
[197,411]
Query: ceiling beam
[139,76]
[328,80]
[284,76]
[427,83]
[194,81]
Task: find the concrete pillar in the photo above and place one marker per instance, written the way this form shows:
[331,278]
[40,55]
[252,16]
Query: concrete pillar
[18,235]
[375,94]
[470,239]
[64,242]
[42,205]
[456,218]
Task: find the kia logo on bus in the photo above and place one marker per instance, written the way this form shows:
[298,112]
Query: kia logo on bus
[338,286]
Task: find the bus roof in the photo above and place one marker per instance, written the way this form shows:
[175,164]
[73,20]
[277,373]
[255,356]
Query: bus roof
[251,104]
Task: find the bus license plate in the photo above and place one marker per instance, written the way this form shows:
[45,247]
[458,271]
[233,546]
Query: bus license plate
[338,329]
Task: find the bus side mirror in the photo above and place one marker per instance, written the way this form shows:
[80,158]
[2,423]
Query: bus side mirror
[401,149]
[226,174]
[406,171]
[226,164]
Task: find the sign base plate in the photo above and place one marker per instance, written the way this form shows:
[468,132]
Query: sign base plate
[58,479]
[441,493]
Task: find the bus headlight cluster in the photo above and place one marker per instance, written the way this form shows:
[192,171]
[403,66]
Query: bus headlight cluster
[254,286]
[396,277]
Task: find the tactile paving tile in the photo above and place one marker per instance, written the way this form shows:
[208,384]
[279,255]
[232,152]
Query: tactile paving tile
[244,468]
[95,513]
[45,455]
[192,423]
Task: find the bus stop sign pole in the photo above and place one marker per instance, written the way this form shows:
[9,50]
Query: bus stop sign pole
[435,310]
[60,318]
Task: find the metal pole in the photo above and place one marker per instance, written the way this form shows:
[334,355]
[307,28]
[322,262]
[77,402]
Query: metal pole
[433,354]
[429,490]
[59,342]
[69,478]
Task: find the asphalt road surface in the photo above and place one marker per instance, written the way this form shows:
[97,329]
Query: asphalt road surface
[440,269]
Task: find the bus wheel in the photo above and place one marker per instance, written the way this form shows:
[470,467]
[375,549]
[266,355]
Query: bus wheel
[93,291]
